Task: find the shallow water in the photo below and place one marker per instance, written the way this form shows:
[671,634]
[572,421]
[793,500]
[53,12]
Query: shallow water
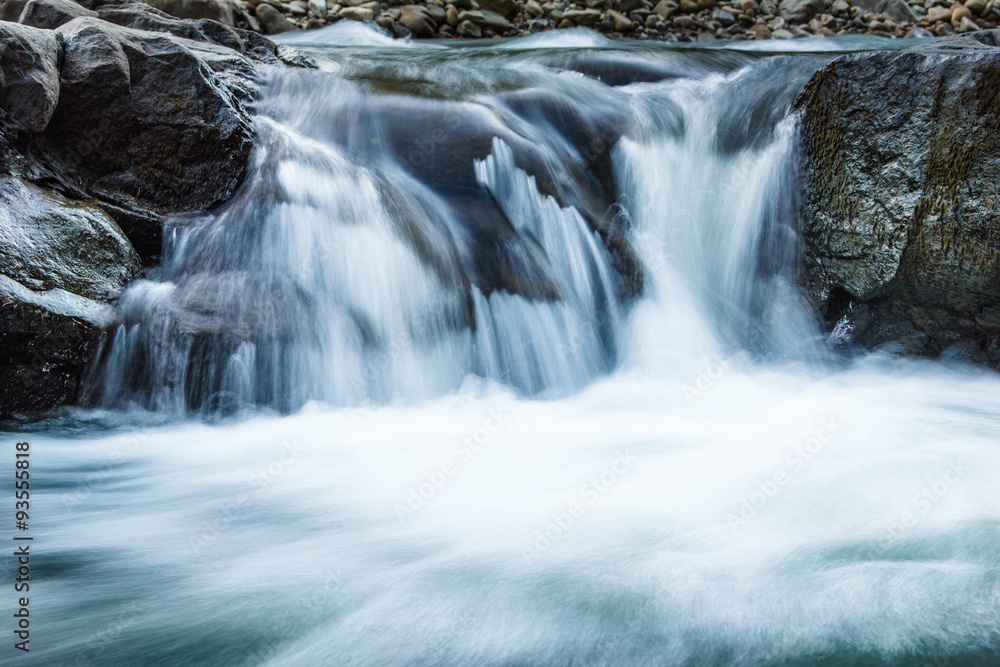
[683,478]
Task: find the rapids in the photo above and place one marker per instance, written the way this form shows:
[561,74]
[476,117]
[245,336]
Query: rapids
[499,358]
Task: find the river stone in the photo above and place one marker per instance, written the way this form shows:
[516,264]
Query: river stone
[144,124]
[505,8]
[51,13]
[418,20]
[29,78]
[799,11]
[901,211]
[620,22]
[897,10]
[223,11]
[272,22]
[584,17]
[468,29]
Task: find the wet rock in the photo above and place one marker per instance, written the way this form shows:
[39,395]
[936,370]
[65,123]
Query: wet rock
[145,125]
[901,212]
[51,13]
[29,79]
[49,242]
[223,11]
[59,263]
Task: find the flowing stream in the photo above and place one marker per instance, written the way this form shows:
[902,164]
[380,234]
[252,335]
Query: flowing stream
[499,358]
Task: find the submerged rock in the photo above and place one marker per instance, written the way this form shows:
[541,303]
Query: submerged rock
[901,209]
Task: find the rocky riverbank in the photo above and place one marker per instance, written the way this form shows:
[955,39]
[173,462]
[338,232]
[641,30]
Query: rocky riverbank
[666,20]
[114,117]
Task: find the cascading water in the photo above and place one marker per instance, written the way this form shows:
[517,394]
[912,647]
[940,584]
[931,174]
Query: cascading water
[552,395]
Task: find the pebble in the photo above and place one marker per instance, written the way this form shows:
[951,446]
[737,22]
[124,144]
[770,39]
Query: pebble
[670,20]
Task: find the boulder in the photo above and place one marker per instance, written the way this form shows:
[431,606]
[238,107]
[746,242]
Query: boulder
[51,13]
[59,263]
[144,124]
[901,210]
[223,11]
[271,20]
[49,242]
[897,10]
[29,78]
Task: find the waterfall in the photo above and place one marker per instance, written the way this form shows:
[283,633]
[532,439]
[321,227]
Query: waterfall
[360,265]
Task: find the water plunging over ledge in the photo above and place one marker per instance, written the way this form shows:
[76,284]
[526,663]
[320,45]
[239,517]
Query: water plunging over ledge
[518,373]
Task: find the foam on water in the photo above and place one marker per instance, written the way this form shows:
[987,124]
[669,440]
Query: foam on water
[467,475]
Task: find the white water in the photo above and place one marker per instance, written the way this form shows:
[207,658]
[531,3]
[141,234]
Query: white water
[687,479]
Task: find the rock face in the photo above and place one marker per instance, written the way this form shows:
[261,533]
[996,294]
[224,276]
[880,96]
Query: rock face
[118,118]
[901,208]
[59,261]
[29,79]
[143,124]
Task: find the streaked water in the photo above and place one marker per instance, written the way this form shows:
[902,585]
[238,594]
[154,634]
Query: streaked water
[339,427]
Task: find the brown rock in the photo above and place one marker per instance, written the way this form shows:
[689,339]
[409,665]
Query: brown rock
[935,14]
[418,20]
[271,20]
[958,13]
[621,22]
[760,31]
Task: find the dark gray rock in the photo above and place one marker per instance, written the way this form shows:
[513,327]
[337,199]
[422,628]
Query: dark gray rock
[223,11]
[51,14]
[49,242]
[144,124]
[29,77]
[59,262]
[897,10]
[901,209]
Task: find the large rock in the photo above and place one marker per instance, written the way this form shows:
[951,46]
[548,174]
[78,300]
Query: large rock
[901,204]
[29,77]
[59,263]
[48,242]
[223,11]
[144,123]
[897,10]
[51,13]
